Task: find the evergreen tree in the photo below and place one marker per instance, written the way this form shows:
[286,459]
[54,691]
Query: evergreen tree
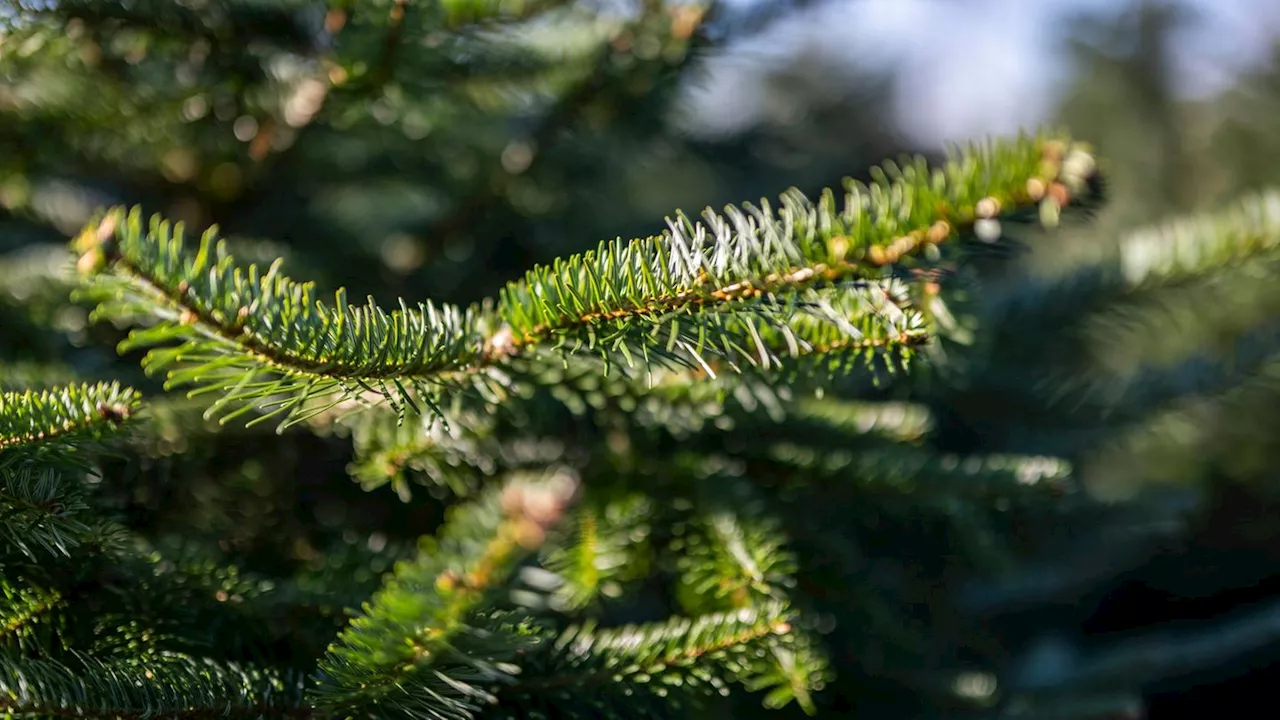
[777,459]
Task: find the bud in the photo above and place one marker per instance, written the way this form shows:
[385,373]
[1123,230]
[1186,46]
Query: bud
[1035,189]
[447,581]
[876,255]
[501,344]
[1059,193]
[91,262]
[987,207]
[839,247]
[939,232]
[113,413]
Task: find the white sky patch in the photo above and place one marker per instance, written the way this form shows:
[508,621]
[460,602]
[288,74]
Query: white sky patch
[968,68]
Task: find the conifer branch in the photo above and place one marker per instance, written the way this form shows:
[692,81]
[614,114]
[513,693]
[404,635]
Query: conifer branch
[760,252]
[735,555]
[911,470]
[238,326]
[456,455]
[901,422]
[38,511]
[24,610]
[420,644]
[579,673]
[168,685]
[605,544]
[590,657]
[1164,254]
[735,560]
[1191,245]
[59,417]
[265,341]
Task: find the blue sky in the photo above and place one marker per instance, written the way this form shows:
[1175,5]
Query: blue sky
[973,67]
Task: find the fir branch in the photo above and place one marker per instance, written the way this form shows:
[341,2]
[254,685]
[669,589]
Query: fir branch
[736,554]
[60,417]
[264,341]
[475,12]
[589,672]
[831,329]
[24,613]
[896,421]
[457,455]
[419,644]
[1192,245]
[604,546]
[168,685]
[920,471]
[236,325]
[731,560]
[1165,254]
[38,511]
[588,657]
[761,252]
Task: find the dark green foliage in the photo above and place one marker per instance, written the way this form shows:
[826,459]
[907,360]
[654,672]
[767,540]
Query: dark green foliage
[755,462]
[40,509]
[166,684]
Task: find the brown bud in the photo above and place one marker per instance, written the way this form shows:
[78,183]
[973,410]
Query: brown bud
[1059,193]
[1053,150]
[529,535]
[99,236]
[447,581]
[334,20]
[1035,189]
[685,20]
[501,344]
[91,262]
[513,500]
[839,247]
[113,413]
[939,232]
[187,317]
[543,508]
[876,255]
[988,207]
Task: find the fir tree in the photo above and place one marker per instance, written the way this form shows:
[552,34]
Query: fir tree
[725,469]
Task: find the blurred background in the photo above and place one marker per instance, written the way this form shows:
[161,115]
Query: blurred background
[398,159]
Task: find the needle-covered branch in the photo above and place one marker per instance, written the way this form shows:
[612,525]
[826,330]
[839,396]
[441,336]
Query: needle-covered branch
[745,288]
[647,288]
[40,511]
[25,611]
[167,685]
[262,338]
[427,643]
[1166,254]
[55,420]
[639,670]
